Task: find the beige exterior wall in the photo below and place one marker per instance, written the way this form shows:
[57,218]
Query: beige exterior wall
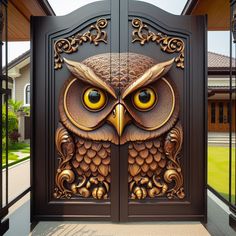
[21,82]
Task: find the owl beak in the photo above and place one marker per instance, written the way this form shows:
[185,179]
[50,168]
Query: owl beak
[119,118]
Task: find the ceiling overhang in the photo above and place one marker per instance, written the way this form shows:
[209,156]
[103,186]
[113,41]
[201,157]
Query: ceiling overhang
[217,11]
[19,13]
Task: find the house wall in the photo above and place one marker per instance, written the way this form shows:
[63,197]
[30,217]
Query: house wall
[20,83]
[219,80]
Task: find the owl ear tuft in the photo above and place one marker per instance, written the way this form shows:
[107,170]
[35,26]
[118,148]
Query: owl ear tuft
[149,76]
[86,74]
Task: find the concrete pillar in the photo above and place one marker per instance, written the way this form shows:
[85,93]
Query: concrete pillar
[21,125]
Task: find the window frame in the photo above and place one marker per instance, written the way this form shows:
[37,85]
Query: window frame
[26,103]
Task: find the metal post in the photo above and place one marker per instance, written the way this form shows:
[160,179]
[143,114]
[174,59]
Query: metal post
[232,218]
[4,225]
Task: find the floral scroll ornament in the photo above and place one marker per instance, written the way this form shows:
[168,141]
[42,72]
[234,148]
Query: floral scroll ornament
[167,44]
[95,35]
[66,149]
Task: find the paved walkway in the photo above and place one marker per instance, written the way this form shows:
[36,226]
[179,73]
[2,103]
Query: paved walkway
[131,229]
[18,179]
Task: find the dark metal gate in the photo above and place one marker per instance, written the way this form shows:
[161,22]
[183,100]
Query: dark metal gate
[119,115]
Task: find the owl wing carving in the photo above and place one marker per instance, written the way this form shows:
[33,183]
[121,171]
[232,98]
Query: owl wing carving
[92,158]
[146,158]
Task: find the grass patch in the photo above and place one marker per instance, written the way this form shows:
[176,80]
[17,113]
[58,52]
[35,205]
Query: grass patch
[13,158]
[26,150]
[218,170]
[15,162]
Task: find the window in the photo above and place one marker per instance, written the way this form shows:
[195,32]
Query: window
[221,112]
[228,112]
[213,112]
[27,94]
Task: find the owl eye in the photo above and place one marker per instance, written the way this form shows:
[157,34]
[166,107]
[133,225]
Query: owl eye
[94,98]
[144,99]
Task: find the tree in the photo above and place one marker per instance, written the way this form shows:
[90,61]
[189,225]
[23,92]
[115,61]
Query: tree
[18,105]
[14,105]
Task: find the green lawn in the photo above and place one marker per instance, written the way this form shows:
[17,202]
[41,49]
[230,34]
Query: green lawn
[25,150]
[218,170]
[11,157]
[14,149]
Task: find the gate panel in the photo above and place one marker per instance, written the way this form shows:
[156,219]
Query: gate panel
[166,152]
[71,175]
[119,126]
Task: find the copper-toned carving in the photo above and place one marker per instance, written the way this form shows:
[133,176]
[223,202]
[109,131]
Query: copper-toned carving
[103,125]
[82,71]
[152,74]
[172,147]
[154,165]
[83,169]
[66,148]
[72,43]
[154,144]
[168,44]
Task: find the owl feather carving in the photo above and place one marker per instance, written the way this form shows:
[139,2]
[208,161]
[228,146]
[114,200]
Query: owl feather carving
[118,98]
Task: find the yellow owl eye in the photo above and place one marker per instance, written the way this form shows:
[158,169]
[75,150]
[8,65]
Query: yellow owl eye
[94,98]
[144,99]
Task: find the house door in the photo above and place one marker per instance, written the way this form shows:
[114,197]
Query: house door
[219,116]
[119,129]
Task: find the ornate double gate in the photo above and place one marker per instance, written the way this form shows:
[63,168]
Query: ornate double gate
[119,131]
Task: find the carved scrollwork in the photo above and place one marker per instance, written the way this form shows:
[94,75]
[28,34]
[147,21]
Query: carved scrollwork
[172,147]
[66,148]
[95,35]
[168,44]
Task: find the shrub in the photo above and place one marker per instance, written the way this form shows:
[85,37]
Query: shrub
[18,146]
[14,136]
[12,121]
[4,143]
[12,124]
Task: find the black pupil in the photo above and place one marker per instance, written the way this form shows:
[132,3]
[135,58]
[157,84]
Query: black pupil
[144,96]
[94,96]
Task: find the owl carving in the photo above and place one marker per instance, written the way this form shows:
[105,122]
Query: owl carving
[119,98]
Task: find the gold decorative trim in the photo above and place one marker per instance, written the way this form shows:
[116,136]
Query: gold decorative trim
[72,43]
[66,149]
[168,44]
[172,147]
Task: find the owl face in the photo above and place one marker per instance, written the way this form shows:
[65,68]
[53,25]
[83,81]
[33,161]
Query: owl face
[118,98]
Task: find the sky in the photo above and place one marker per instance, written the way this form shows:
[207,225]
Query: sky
[217,41]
